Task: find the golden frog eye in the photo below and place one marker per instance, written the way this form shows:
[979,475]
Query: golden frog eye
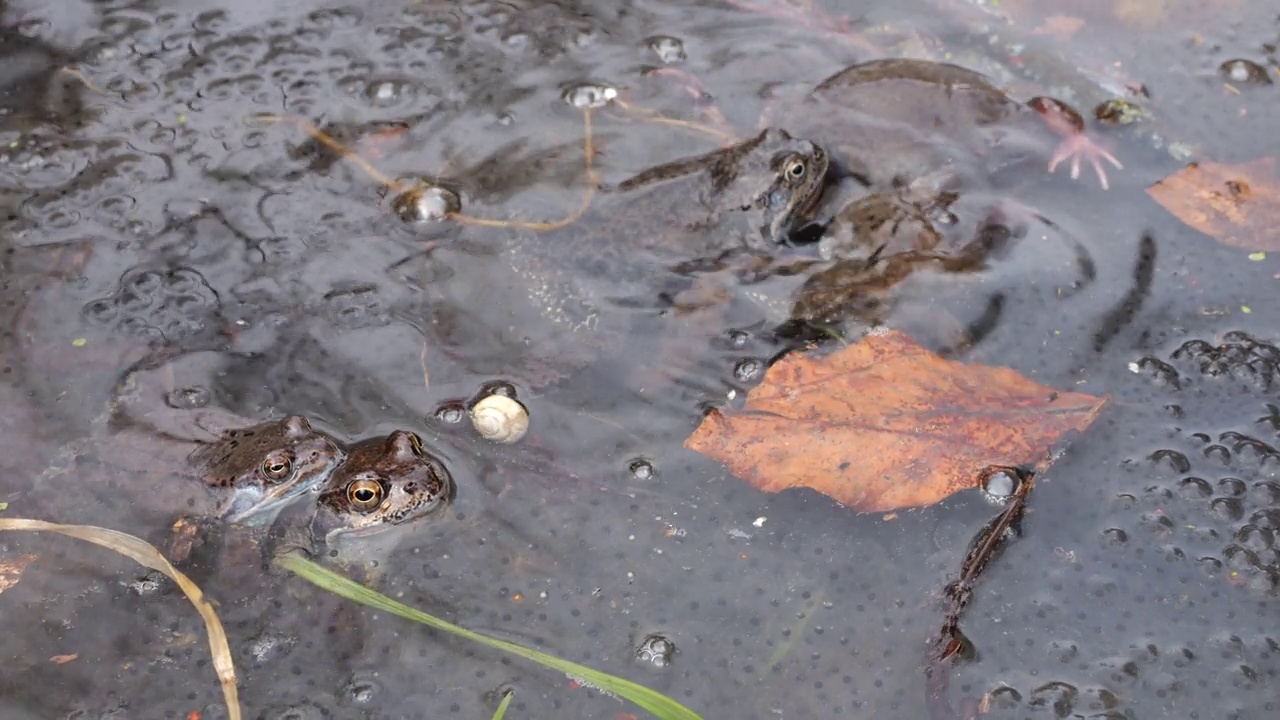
[795,169]
[364,494]
[416,443]
[277,466]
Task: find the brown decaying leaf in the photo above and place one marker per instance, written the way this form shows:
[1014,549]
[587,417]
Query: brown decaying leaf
[63,659]
[886,424]
[11,570]
[1061,27]
[1238,205]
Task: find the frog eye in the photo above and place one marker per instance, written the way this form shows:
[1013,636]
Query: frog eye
[364,494]
[277,466]
[796,169]
[415,442]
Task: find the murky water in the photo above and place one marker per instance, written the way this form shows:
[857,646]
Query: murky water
[147,215]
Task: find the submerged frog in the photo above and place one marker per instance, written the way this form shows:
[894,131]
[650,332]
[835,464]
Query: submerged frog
[924,251]
[894,120]
[572,292]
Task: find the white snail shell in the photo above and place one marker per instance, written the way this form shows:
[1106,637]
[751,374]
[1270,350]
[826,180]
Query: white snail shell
[500,419]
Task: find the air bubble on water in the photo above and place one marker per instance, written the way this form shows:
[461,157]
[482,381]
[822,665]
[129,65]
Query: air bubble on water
[1244,72]
[426,203]
[270,646]
[748,370]
[148,585]
[451,413]
[656,649]
[387,92]
[738,339]
[362,688]
[641,469]
[670,50]
[999,486]
[188,398]
[589,96]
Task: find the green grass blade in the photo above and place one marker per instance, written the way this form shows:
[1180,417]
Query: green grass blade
[657,704]
[502,707]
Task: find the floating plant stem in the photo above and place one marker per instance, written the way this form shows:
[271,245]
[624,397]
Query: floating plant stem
[588,151]
[502,706]
[654,116]
[658,705]
[332,143]
[988,540]
[406,194]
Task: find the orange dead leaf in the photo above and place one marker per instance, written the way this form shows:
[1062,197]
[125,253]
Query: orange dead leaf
[1062,27]
[1239,205]
[1142,14]
[63,659]
[885,424]
[11,570]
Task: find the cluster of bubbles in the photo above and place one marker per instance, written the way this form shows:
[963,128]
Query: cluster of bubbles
[656,649]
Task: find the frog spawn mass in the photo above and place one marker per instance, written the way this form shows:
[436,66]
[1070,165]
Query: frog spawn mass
[573,292]
[920,141]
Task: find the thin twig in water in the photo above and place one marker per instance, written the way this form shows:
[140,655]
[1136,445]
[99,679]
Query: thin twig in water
[947,647]
[653,116]
[84,79]
[397,187]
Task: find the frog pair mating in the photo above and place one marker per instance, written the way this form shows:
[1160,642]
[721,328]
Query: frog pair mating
[369,486]
[906,135]
[246,476]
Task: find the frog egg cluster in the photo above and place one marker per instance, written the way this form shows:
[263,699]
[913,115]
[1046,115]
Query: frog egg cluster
[157,305]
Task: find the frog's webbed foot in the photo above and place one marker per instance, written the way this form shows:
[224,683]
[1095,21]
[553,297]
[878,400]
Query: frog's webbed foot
[1077,147]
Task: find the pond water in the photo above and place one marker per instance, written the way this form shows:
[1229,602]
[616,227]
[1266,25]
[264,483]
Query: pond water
[151,217]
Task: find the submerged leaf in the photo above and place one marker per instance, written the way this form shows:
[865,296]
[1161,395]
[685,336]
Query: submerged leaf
[886,424]
[11,570]
[1238,205]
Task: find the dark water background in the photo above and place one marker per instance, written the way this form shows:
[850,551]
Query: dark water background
[1144,583]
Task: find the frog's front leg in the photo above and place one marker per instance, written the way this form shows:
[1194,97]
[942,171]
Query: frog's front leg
[1076,145]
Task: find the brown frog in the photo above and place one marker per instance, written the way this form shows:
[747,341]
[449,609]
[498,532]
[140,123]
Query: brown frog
[902,254]
[147,457]
[386,483]
[891,121]
[572,292]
